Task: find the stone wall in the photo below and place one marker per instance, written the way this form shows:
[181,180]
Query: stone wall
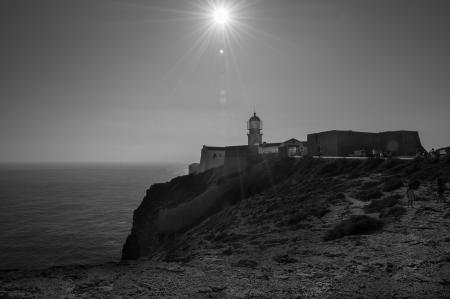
[211,157]
[237,157]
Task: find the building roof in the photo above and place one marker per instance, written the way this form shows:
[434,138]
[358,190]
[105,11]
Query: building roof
[351,131]
[214,148]
[267,144]
[293,140]
[237,147]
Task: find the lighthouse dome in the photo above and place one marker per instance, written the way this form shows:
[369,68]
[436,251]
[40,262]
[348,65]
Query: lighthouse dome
[254,117]
[254,123]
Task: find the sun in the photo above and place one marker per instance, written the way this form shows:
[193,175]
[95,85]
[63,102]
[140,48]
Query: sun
[221,16]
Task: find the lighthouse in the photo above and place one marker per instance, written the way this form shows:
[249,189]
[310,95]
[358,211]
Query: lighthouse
[254,127]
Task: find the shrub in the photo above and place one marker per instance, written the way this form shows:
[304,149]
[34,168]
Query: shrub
[244,263]
[356,173]
[410,169]
[395,211]
[371,164]
[337,198]
[296,218]
[370,184]
[329,169]
[227,251]
[367,195]
[355,225]
[340,196]
[389,163]
[415,185]
[284,259]
[392,184]
[319,212]
[379,205]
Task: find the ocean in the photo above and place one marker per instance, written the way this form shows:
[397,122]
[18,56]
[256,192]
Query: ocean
[52,215]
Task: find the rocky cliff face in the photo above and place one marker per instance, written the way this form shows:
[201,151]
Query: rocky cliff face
[170,209]
[145,232]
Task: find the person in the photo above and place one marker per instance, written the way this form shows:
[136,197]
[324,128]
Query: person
[419,154]
[440,189]
[432,153]
[410,195]
[319,153]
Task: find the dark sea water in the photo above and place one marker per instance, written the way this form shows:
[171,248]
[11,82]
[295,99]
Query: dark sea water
[70,214]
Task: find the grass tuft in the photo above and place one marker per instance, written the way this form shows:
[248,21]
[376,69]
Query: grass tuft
[377,206]
[355,225]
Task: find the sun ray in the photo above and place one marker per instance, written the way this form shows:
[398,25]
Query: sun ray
[218,25]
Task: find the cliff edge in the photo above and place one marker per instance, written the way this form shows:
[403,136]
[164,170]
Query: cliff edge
[284,228]
[171,208]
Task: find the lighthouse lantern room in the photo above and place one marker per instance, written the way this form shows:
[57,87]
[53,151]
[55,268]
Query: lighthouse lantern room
[254,127]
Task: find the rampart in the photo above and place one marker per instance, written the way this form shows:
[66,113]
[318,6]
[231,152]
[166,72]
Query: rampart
[343,143]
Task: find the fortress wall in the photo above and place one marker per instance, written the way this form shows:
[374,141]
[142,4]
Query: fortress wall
[194,168]
[236,158]
[328,142]
[404,143]
[349,141]
[211,157]
[343,143]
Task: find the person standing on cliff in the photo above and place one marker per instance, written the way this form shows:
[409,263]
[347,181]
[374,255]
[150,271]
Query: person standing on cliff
[410,195]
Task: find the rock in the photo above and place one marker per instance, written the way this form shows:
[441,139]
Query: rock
[176,269]
[244,263]
[427,210]
[204,290]
[130,250]
[389,267]
[171,268]
[281,276]
[218,288]
[284,259]
[424,278]
[250,293]
[261,275]
[444,281]
[227,251]
[363,268]
[106,288]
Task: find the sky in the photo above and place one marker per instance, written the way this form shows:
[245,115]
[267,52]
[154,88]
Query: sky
[144,81]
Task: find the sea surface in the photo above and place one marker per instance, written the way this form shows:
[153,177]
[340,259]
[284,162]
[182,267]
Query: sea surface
[53,215]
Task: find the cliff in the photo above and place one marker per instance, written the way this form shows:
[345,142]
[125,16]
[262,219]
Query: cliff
[284,228]
[170,209]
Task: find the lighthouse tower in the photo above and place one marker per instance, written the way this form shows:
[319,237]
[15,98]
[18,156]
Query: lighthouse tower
[254,127]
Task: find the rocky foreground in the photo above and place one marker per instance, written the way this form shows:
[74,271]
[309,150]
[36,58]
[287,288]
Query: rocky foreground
[329,229]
